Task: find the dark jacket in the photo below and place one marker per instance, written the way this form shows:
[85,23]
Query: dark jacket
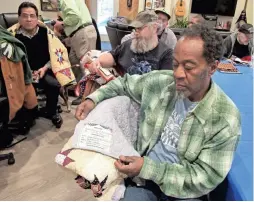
[228,45]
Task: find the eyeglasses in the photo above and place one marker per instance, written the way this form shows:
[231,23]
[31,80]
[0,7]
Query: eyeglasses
[26,16]
[139,29]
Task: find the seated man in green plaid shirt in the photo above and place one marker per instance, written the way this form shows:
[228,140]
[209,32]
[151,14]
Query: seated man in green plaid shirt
[189,127]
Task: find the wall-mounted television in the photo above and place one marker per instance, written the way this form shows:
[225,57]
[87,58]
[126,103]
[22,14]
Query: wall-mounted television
[214,7]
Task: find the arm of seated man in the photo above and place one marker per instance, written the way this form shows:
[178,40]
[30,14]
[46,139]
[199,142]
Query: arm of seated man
[105,60]
[187,179]
[120,86]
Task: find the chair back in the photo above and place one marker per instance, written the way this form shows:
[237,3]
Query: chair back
[8,19]
[2,21]
[113,38]
[121,34]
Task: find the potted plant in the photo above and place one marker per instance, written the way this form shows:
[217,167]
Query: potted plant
[181,23]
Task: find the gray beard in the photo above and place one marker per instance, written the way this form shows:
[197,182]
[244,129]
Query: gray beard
[160,29]
[180,95]
[141,45]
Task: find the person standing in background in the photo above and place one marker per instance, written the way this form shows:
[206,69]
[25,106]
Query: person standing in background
[77,24]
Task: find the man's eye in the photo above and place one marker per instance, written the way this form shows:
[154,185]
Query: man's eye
[188,67]
[175,65]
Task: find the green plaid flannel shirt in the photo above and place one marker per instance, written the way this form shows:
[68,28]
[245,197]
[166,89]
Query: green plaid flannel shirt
[208,137]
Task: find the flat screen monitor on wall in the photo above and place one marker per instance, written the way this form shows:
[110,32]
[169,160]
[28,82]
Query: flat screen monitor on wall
[214,7]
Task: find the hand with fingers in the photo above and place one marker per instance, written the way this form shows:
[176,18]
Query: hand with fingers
[129,165]
[42,71]
[93,67]
[84,109]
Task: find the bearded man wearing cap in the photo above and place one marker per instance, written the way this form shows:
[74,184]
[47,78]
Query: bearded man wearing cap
[165,34]
[239,44]
[142,54]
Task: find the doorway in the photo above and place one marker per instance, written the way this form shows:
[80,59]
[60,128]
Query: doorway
[102,11]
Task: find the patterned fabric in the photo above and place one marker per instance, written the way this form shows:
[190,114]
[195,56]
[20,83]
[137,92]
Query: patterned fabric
[139,67]
[63,158]
[80,88]
[96,186]
[15,51]
[59,60]
[208,137]
[116,119]
[95,171]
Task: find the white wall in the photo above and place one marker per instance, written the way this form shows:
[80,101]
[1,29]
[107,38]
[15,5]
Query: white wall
[170,5]
[11,6]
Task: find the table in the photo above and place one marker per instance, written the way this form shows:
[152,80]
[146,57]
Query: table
[239,87]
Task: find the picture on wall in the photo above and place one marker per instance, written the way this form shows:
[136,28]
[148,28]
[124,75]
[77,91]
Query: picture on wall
[153,4]
[46,6]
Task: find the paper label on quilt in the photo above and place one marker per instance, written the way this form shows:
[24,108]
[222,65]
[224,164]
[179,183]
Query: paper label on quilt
[96,138]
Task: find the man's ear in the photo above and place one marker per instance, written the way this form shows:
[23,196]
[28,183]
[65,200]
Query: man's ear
[214,67]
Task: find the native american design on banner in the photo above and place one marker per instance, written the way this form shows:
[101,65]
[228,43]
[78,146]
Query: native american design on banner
[59,54]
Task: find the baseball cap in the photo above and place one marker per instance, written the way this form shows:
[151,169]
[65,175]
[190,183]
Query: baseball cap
[246,29]
[163,11]
[144,17]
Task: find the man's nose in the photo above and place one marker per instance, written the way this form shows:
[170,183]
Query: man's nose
[179,72]
[136,34]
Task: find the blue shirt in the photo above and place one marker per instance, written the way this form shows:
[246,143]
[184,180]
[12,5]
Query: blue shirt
[165,149]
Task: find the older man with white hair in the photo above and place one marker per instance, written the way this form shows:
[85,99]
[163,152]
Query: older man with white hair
[165,34]
[142,54]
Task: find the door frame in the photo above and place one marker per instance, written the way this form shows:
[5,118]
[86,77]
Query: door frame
[92,6]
